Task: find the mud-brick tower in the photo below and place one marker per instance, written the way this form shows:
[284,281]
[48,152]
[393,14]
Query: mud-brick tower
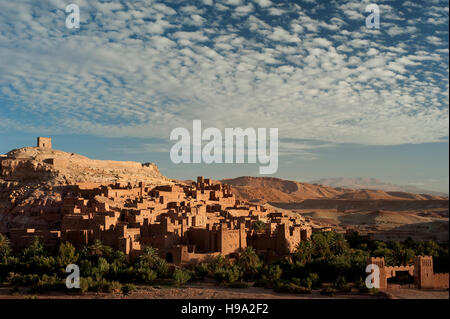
[44,142]
[423,272]
[379,261]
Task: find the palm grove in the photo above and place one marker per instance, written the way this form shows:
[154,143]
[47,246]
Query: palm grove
[329,261]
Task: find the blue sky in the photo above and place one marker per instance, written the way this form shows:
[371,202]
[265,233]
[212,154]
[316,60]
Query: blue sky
[348,101]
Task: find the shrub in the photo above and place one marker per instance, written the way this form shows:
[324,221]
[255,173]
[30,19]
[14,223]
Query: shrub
[23,280]
[201,270]
[49,283]
[227,275]
[128,288]
[143,275]
[275,273]
[219,263]
[342,285]
[181,277]
[115,286]
[85,284]
[361,285]
[163,269]
[315,280]
[103,285]
[328,291]
[374,291]
[291,288]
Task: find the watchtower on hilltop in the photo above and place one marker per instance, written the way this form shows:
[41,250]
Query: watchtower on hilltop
[44,142]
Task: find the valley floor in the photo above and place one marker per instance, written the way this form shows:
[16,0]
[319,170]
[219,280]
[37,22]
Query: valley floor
[209,291]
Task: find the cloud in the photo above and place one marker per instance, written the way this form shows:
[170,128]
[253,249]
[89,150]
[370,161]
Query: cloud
[142,68]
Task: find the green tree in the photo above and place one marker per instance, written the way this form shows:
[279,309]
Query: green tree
[321,245]
[249,262]
[149,257]
[96,249]
[34,249]
[5,247]
[66,255]
[304,252]
[259,225]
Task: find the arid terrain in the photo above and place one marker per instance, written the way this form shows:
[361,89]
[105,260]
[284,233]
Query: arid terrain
[34,181]
[385,215]
[212,291]
[29,182]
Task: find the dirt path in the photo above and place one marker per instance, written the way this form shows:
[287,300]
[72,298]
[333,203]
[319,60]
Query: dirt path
[211,291]
[193,291]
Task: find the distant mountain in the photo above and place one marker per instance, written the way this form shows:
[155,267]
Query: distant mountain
[271,189]
[373,183]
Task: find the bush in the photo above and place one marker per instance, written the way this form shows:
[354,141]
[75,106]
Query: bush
[342,285]
[291,288]
[361,285]
[227,275]
[99,285]
[181,277]
[85,284]
[143,275]
[201,270]
[315,280]
[375,291]
[128,288]
[328,292]
[275,273]
[23,280]
[103,285]
[49,283]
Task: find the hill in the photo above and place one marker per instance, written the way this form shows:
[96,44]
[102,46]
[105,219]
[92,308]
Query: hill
[373,183]
[270,189]
[38,165]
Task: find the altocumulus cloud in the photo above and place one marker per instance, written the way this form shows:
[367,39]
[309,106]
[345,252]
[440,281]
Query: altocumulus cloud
[311,69]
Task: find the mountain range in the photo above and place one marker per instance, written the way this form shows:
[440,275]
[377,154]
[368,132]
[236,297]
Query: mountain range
[373,183]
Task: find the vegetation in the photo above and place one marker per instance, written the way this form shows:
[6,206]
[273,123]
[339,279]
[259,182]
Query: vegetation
[328,257]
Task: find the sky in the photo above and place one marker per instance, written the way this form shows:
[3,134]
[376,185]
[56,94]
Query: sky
[347,100]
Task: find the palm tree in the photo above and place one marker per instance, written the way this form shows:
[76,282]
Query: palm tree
[5,247]
[97,248]
[305,251]
[149,256]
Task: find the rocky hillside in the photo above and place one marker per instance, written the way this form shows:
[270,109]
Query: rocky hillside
[33,164]
[35,179]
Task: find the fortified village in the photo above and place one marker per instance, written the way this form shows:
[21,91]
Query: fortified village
[186,222]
